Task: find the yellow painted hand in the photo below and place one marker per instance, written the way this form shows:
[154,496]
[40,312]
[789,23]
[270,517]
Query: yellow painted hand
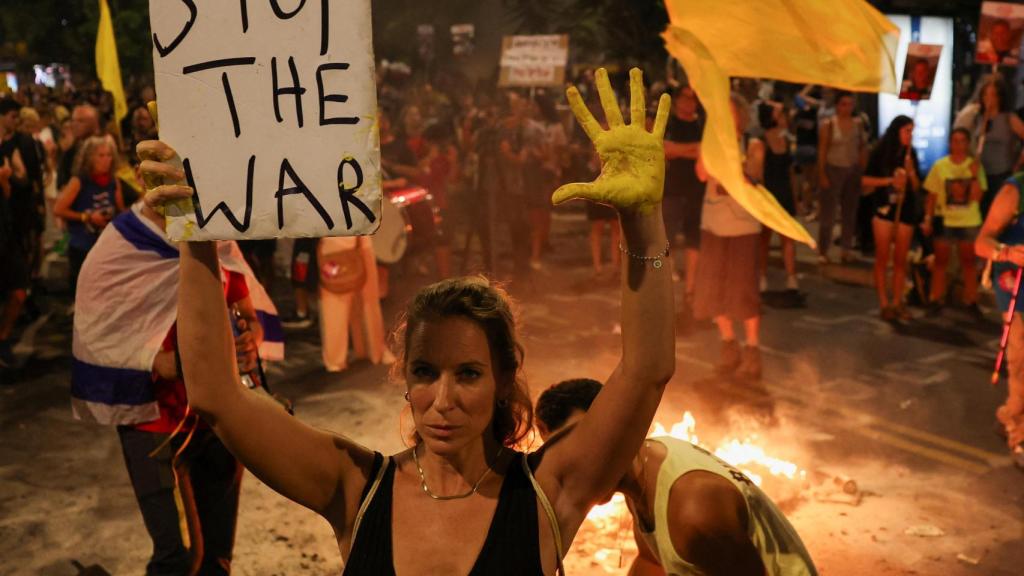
[632,159]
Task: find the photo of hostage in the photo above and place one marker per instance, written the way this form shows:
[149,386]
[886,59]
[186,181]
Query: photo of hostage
[460,360]
[918,84]
[999,40]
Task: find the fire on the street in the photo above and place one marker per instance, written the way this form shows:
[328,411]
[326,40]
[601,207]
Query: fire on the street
[608,541]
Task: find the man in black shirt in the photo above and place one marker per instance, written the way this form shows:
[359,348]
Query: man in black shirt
[14,254]
[805,163]
[684,192]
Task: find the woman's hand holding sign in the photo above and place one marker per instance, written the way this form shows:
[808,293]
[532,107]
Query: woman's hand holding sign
[165,183]
[633,159]
[161,172]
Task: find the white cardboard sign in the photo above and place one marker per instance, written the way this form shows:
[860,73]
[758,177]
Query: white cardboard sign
[272,106]
[534,60]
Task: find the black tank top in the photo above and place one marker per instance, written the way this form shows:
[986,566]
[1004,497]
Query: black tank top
[512,546]
[776,171]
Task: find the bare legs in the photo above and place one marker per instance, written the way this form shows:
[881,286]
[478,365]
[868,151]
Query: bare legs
[891,240]
[965,252]
[788,256]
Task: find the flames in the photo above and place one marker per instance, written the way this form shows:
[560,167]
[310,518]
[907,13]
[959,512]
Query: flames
[747,455]
[604,541]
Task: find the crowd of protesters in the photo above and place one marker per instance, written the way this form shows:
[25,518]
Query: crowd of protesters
[490,158]
[487,161]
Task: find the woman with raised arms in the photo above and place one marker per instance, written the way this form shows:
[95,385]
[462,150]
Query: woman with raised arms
[462,500]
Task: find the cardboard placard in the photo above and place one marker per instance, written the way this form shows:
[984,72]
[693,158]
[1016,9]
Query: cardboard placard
[999,33]
[272,107]
[534,61]
[919,71]
[463,37]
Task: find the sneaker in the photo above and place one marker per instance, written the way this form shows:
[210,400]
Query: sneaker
[750,366]
[729,360]
[792,283]
[297,321]
[7,359]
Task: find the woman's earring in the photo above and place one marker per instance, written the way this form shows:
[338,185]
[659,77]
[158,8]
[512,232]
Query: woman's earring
[406,396]
[503,403]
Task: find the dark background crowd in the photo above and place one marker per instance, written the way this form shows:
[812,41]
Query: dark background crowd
[487,159]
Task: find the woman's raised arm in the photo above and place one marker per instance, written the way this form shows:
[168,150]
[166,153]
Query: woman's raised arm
[589,463]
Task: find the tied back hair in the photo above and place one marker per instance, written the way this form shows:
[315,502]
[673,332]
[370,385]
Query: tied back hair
[476,299]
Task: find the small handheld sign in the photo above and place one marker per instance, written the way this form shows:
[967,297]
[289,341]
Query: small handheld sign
[272,107]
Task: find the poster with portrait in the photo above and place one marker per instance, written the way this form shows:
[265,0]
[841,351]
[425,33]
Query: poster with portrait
[919,71]
[999,33]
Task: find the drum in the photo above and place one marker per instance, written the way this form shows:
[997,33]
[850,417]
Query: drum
[389,242]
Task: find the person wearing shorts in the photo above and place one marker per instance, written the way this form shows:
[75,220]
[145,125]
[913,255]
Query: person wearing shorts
[955,187]
[893,185]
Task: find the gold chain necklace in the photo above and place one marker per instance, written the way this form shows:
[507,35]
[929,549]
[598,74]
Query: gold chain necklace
[426,490]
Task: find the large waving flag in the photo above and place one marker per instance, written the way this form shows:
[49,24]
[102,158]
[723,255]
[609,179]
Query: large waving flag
[126,304]
[842,43]
[108,68]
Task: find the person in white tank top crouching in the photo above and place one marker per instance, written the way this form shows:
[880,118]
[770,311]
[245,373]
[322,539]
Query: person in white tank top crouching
[693,514]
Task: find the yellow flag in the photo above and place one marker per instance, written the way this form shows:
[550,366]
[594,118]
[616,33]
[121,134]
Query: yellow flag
[107,66]
[842,43]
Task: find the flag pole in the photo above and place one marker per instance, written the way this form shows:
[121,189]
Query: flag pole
[1007,323]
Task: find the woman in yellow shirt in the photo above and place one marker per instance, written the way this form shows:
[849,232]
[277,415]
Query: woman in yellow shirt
[955,186]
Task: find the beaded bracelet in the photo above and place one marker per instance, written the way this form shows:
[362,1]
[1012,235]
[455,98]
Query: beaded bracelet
[655,260]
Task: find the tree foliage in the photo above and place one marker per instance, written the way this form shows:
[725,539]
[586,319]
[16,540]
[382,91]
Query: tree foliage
[627,32]
[395,23]
[45,31]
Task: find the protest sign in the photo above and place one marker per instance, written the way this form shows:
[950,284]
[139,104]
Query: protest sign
[463,36]
[919,71]
[271,105]
[534,61]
